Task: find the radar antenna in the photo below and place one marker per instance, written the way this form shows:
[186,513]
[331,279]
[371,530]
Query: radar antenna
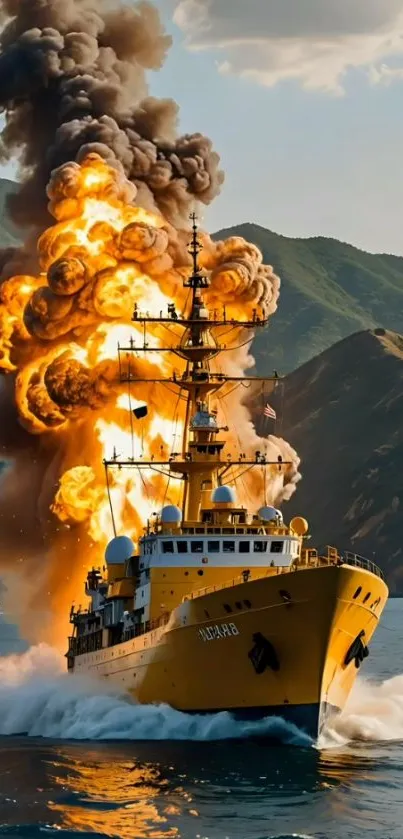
[197,279]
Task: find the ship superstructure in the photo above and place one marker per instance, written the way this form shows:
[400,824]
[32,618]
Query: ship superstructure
[221,607]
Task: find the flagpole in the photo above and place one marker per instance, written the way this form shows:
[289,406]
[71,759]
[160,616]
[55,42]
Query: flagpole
[264,418]
[282,407]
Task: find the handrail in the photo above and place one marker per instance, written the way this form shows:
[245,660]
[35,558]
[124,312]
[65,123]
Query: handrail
[316,562]
[362,562]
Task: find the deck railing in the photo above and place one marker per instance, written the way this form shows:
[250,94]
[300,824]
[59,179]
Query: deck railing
[314,561]
[362,562]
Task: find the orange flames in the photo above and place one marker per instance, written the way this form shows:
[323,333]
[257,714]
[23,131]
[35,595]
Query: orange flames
[59,332]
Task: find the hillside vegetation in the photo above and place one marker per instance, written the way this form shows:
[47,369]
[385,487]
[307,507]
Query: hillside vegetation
[343,414]
[329,290]
[336,334]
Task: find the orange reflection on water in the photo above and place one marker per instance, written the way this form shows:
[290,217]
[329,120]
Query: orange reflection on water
[118,799]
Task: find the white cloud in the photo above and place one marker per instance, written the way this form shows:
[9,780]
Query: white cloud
[312,41]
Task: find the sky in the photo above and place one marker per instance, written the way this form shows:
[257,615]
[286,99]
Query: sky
[303,100]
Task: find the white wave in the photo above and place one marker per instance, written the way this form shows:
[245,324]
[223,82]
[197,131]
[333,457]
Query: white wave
[39,699]
[373,713]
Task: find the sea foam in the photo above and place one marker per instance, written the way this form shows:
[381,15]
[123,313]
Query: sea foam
[39,699]
[373,713]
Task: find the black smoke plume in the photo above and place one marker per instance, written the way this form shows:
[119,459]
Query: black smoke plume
[73,81]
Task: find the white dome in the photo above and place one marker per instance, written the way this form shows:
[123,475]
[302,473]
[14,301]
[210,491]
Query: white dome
[270,514]
[119,550]
[224,495]
[171,514]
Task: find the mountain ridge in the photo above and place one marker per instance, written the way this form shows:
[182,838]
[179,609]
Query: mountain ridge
[329,290]
[342,412]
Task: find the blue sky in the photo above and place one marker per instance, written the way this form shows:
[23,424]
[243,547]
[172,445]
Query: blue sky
[305,109]
[300,158]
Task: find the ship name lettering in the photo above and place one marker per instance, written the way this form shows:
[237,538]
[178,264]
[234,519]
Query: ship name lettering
[213,633]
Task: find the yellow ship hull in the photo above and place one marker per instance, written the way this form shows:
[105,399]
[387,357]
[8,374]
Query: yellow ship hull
[284,645]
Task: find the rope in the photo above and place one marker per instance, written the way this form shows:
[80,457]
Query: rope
[240,477]
[110,500]
[176,414]
[130,408]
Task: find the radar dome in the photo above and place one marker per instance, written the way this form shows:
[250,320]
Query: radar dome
[171,514]
[223,495]
[119,550]
[270,514]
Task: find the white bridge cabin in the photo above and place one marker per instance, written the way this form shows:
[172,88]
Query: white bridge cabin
[177,559]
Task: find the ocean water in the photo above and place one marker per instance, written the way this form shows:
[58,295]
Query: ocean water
[76,759]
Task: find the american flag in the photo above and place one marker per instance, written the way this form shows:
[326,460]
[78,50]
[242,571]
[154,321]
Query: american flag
[269,412]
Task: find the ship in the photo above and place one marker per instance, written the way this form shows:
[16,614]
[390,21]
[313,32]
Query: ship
[218,607]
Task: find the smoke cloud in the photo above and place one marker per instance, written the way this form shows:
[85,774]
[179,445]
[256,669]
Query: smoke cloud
[106,189]
[72,82]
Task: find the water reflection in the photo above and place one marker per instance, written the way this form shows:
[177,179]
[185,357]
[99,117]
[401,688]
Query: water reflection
[162,790]
[181,790]
[113,796]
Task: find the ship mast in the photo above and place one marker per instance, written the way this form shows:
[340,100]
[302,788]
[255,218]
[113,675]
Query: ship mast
[199,465]
[193,336]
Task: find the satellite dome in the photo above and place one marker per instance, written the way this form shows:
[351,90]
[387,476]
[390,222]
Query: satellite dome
[171,514]
[299,525]
[119,550]
[223,495]
[270,514]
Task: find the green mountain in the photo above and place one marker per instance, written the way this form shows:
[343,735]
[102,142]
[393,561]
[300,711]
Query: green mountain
[342,412]
[329,290]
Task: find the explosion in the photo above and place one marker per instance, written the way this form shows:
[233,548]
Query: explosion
[101,160]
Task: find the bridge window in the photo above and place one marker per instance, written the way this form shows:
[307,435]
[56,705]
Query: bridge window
[244,547]
[213,547]
[276,547]
[167,547]
[229,547]
[259,547]
[197,547]
[182,547]
[357,593]
[367,596]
